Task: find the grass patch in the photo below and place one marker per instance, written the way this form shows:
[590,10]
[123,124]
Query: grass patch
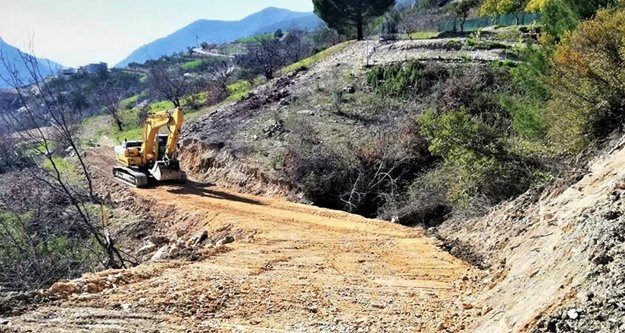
[238,90]
[161,106]
[421,35]
[134,133]
[255,38]
[129,102]
[63,165]
[315,58]
[192,65]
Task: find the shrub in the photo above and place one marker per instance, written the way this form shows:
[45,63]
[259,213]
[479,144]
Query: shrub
[476,156]
[12,157]
[406,80]
[360,178]
[39,241]
[588,83]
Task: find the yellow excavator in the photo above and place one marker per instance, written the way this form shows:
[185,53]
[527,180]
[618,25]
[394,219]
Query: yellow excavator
[154,157]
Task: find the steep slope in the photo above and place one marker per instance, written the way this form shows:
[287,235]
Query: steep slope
[237,144]
[212,31]
[12,55]
[556,256]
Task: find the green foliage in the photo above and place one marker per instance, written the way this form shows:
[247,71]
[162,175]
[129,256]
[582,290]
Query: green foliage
[256,38]
[476,157]
[562,16]
[405,80]
[588,83]
[531,73]
[349,17]
[559,17]
[527,118]
[498,7]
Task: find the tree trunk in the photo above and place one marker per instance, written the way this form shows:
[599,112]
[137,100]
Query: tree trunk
[360,31]
[176,102]
[120,125]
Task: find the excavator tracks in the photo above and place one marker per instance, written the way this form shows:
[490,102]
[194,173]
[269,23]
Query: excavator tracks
[130,177]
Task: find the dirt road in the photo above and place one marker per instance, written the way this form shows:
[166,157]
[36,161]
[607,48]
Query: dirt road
[290,268]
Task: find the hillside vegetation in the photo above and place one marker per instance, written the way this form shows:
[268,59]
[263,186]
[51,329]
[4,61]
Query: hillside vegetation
[504,142]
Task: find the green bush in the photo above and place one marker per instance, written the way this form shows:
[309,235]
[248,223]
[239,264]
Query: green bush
[588,83]
[476,156]
[32,259]
[410,79]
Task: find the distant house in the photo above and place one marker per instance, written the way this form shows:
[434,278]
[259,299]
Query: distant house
[94,68]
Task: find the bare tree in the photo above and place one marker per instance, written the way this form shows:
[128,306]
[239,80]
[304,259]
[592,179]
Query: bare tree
[217,81]
[169,84]
[53,124]
[296,46]
[264,56]
[109,98]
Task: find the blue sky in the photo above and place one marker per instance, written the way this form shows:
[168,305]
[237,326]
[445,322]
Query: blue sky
[76,32]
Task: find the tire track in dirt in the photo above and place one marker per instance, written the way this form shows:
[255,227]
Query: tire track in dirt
[303,269]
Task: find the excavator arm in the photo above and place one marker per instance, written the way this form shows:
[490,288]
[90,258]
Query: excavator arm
[175,127]
[152,125]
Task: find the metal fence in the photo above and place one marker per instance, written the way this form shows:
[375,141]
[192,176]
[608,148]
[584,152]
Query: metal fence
[487,21]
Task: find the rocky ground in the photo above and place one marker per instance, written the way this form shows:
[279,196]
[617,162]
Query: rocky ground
[555,256]
[219,261]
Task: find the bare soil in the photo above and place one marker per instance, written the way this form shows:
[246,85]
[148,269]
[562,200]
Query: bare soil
[290,267]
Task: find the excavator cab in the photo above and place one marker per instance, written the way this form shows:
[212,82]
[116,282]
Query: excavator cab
[154,157]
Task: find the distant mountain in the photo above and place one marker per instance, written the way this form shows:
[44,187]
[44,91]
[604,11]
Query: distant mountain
[212,31]
[11,54]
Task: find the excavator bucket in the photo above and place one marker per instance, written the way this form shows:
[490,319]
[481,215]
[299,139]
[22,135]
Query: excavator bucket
[163,171]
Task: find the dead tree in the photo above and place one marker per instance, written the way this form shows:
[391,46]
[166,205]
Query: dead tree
[264,56]
[169,84]
[109,99]
[53,123]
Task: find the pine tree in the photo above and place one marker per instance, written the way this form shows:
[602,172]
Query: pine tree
[347,15]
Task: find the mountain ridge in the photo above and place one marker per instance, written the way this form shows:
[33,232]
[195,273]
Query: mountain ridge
[218,31]
[11,54]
